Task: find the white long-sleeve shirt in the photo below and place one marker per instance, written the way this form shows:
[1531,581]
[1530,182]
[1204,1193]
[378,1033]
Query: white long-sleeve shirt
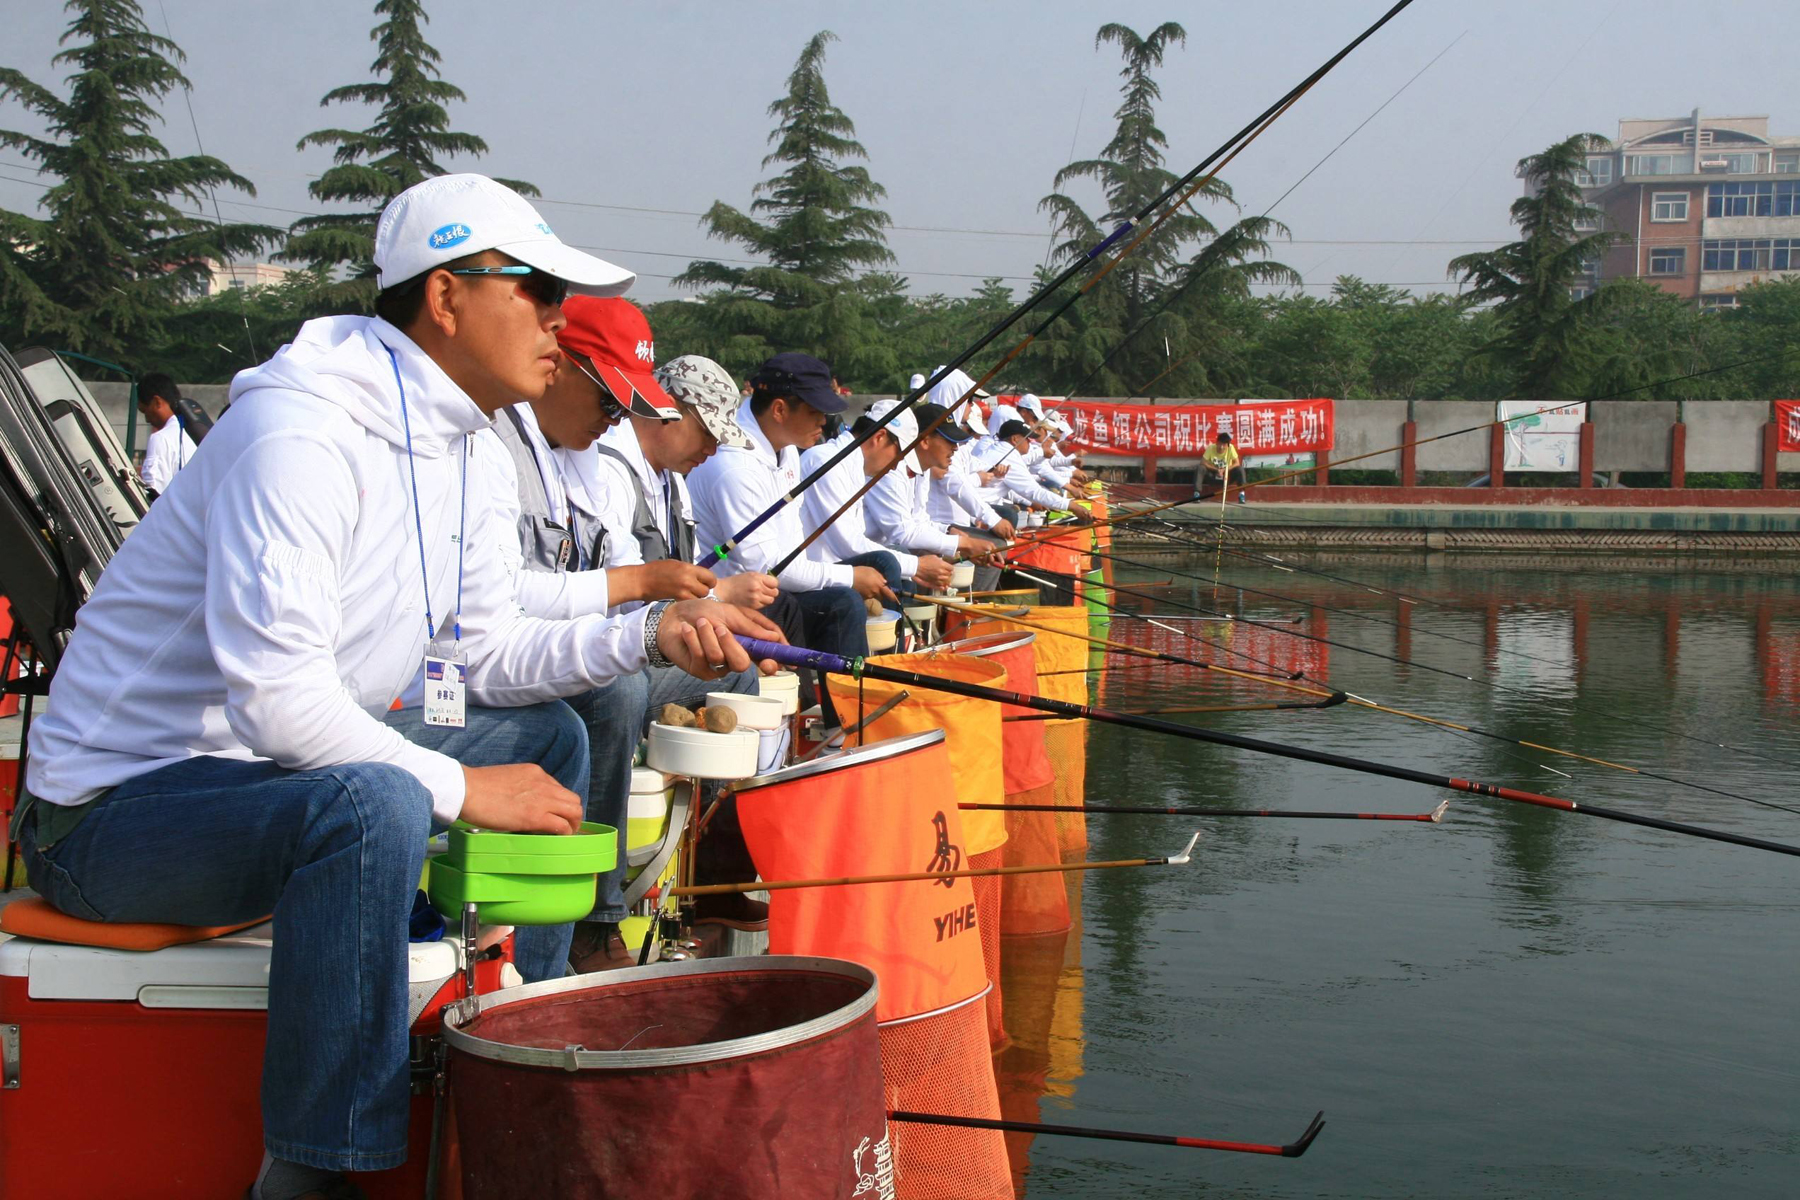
[273,606]
[733,487]
[166,451]
[895,513]
[850,534]
[1016,484]
[956,498]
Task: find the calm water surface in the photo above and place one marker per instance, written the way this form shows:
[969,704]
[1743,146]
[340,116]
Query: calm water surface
[1515,1002]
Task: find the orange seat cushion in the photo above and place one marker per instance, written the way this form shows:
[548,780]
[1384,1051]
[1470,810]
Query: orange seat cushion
[35,918]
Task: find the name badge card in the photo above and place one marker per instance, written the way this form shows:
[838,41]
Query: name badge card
[446,676]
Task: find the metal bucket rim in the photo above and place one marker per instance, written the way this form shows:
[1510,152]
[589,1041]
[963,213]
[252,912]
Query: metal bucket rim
[937,1012]
[975,647]
[578,1059]
[849,756]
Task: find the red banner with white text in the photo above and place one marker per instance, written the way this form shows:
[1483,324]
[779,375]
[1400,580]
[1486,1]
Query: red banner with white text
[1787,425]
[1257,427]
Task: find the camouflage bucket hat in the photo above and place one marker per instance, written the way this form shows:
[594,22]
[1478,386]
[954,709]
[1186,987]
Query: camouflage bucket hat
[706,386]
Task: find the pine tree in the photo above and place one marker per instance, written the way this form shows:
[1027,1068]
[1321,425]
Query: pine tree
[1544,342]
[115,251]
[372,166]
[814,228]
[1156,320]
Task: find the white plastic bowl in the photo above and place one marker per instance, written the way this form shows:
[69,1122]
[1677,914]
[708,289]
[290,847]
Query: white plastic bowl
[699,754]
[881,632]
[783,686]
[962,575]
[753,712]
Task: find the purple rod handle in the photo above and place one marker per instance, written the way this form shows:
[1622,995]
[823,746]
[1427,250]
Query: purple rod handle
[794,656]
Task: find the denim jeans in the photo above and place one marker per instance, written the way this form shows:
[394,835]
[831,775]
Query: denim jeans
[335,854]
[889,566]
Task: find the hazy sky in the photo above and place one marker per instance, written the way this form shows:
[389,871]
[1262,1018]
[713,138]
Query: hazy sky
[968,109]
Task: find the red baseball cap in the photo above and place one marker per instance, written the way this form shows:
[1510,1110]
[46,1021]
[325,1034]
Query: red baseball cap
[612,336]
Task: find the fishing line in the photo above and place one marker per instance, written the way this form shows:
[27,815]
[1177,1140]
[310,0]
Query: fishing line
[1502,687]
[820,660]
[1439,722]
[1226,151]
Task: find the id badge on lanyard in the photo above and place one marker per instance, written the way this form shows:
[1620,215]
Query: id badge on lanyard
[446,679]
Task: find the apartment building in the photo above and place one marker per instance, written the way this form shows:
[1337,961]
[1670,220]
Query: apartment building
[1706,204]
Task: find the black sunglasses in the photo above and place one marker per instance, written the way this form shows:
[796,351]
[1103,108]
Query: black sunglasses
[609,403]
[541,286]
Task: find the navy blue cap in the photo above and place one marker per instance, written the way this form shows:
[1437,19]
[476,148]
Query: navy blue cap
[802,377]
[947,427]
[1012,429]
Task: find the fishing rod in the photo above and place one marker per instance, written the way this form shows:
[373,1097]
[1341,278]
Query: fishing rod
[1180,290]
[1331,701]
[856,668]
[1292,1149]
[1406,662]
[1433,817]
[1362,702]
[1181,189]
[781,885]
[1118,647]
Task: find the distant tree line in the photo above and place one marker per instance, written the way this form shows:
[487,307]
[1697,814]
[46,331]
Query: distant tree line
[114,266]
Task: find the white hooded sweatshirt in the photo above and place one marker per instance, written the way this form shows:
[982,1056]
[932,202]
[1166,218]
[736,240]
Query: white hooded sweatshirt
[272,605]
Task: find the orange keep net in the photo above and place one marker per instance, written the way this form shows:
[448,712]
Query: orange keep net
[971,730]
[1102,534]
[941,1064]
[1060,646]
[887,815]
[1063,551]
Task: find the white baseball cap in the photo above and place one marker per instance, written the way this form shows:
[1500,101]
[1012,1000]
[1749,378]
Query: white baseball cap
[452,216]
[916,382]
[904,427]
[1030,403]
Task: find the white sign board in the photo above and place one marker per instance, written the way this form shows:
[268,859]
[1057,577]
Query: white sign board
[1540,437]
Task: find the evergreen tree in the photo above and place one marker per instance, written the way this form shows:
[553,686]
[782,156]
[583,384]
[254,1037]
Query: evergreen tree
[410,135]
[114,251]
[1543,340]
[1157,321]
[814,228]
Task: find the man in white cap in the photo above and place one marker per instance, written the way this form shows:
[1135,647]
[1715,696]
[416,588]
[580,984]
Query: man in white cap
[955,498]
[896,508]
[1053,467]
[215,748]
[847,536]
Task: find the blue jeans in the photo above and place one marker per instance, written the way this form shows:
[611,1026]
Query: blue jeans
[335,854]
[889,566]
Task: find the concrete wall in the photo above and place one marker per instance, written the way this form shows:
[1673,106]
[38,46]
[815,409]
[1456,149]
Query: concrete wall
[1366,425]
[1467,452]
[1725,435]
[1633,435]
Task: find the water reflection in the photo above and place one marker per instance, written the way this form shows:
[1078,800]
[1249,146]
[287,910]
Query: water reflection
[1397,975]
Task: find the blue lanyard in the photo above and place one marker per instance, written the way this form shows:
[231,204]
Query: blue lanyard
[418,523]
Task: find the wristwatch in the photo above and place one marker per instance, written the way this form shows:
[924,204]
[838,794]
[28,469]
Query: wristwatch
[653,655]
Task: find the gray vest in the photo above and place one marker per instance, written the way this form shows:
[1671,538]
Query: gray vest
[546,543]
[651,544]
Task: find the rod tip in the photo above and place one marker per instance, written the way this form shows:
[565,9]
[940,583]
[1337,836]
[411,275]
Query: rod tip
[1187,852]
[1437,814]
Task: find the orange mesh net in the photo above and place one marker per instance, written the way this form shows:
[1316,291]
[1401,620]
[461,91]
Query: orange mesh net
[988,910]
[942,1064]
[1063,551]
[880,816]
[1060,649]
[971,729]
[1066,744]
[1033,904]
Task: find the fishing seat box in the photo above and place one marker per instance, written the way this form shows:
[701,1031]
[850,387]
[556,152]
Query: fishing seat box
[138,1073]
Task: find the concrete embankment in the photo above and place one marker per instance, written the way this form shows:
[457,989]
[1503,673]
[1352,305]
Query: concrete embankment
[1483,527]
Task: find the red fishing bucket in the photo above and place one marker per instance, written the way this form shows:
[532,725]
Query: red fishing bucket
[888,808]
[594,1087]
